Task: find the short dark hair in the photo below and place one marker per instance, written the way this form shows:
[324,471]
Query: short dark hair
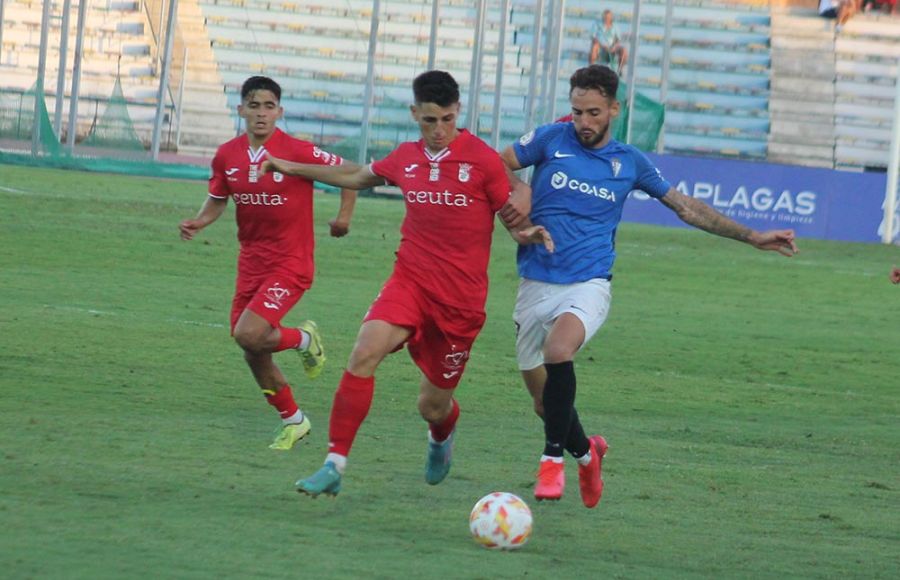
[254,84]
[597,77]
[436,86]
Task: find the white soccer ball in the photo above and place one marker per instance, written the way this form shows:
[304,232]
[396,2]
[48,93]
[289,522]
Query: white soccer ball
[501,520]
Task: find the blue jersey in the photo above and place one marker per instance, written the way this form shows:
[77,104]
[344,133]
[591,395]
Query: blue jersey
[578,194]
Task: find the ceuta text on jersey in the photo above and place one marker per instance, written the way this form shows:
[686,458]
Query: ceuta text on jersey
[438,198]
[259,198]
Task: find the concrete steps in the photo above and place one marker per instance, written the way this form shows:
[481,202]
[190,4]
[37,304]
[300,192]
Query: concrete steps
[801,101]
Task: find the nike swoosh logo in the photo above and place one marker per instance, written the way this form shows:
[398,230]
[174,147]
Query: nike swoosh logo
[270,306]
[232,171]
[451,375]
[559,155]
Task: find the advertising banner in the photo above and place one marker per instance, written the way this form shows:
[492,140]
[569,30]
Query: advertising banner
[817,203]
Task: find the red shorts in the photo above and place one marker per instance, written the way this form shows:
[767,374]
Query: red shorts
[441,335]
[271,297]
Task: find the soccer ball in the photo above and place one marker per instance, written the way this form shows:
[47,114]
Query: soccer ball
[500,520]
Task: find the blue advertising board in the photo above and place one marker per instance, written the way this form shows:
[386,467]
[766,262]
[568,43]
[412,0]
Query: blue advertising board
[815,203]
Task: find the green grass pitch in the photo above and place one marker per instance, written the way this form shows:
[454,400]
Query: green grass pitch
[750,402]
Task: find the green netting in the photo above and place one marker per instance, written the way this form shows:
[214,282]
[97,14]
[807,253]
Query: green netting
[16,116]
[113,135]
[108,165]
[17,120]
[114,129]
[649,116]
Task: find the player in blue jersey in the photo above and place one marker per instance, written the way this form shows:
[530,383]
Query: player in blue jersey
[581,180]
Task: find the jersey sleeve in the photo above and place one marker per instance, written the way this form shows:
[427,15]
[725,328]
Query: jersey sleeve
[531,147]
[496,182]
[309,153]
[647,177]
[218,183]
[387,167]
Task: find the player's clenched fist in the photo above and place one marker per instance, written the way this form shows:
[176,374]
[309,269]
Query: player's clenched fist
[188,228]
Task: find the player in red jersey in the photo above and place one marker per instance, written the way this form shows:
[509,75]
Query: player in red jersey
[274,214]
[452,184]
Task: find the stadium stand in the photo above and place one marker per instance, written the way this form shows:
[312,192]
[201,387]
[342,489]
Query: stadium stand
[832,94]
[753,80]
[206,119]
[119,44]
[802,99]
[866,57]
[116,43]
[323,90]
[717,102]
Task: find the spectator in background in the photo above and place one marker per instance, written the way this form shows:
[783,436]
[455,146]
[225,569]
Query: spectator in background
[888,6]
[895,275]
[606,44]
[838,10]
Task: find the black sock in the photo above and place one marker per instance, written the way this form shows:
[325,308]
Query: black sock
[559,401]
[577,442]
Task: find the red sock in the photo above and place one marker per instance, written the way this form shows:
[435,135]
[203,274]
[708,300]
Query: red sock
[290,338]
[441,431]
[352,401]
[283,400]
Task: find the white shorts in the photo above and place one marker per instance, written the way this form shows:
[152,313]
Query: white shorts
[539,304]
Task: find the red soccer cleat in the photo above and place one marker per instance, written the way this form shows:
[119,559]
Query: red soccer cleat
[590,478]
[551,479]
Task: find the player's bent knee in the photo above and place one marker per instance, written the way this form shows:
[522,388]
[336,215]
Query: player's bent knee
[432,411]
[250,341]
[364,360]
[558,354]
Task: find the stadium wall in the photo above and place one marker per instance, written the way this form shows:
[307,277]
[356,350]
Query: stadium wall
[817,203]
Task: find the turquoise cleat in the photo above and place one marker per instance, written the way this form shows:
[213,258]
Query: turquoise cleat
[437,466]
[327,480]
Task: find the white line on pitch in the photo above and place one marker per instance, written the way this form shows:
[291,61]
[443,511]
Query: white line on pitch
[96,312]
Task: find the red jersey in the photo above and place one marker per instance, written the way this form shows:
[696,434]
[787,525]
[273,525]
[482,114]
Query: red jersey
[274,211]
[450,198]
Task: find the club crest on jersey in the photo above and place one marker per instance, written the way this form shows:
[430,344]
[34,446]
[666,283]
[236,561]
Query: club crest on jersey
[616,166]
[274,296]
[434,174]
[464,169]
[253,173]
[324,155]
[278,177]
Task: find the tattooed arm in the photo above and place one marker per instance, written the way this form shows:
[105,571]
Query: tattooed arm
[696,213]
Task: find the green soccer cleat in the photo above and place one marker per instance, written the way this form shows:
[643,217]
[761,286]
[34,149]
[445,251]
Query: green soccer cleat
[437,465]
[327,480]
[290,434]
[314,356]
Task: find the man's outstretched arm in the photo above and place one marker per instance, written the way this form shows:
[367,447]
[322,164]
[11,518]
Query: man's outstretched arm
[347,175]
[698,214]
